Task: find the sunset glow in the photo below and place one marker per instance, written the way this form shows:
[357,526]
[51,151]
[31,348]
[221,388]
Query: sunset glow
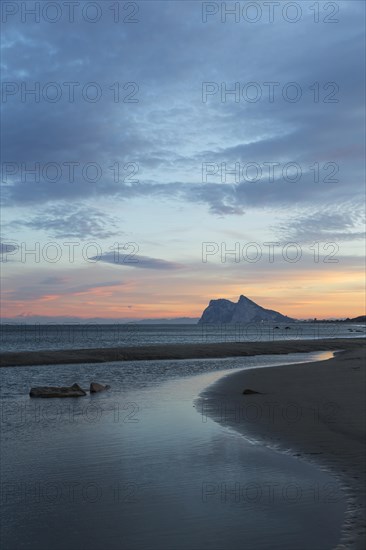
[176,186]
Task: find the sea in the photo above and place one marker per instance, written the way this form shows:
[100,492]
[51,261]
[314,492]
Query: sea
[139,467]
[32,337]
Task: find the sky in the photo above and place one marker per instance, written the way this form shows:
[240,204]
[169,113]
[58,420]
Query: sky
[163,154]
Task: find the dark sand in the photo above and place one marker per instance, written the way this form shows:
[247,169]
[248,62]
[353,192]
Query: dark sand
[315,411]
[173,351]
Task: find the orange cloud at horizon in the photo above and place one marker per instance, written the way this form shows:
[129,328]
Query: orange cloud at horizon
[303,295]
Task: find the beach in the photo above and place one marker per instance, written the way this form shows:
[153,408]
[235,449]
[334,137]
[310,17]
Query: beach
[314,411]
[175,351]
[309,417]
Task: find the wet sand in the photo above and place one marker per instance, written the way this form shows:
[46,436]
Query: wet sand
[174,351]
[315,411]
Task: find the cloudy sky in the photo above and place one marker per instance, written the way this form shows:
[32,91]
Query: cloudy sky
[153,153]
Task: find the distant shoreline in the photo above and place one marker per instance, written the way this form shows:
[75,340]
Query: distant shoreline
[175,351]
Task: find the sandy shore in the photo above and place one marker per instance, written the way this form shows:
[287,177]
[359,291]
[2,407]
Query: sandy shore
[174,351]
[316,411]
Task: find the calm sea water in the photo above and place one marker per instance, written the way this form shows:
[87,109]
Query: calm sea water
[17,337]
[139,467]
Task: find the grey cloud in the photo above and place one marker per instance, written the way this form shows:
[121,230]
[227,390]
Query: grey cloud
[65,221]
[170,129]
[54,280]
[7,248]
[133,260]
[220,198]
[345,223]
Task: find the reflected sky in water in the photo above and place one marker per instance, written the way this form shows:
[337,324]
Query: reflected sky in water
[139,467]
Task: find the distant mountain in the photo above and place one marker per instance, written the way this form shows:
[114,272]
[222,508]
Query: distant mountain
[244,311]
[44,320]
[359,319]
[174,321]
